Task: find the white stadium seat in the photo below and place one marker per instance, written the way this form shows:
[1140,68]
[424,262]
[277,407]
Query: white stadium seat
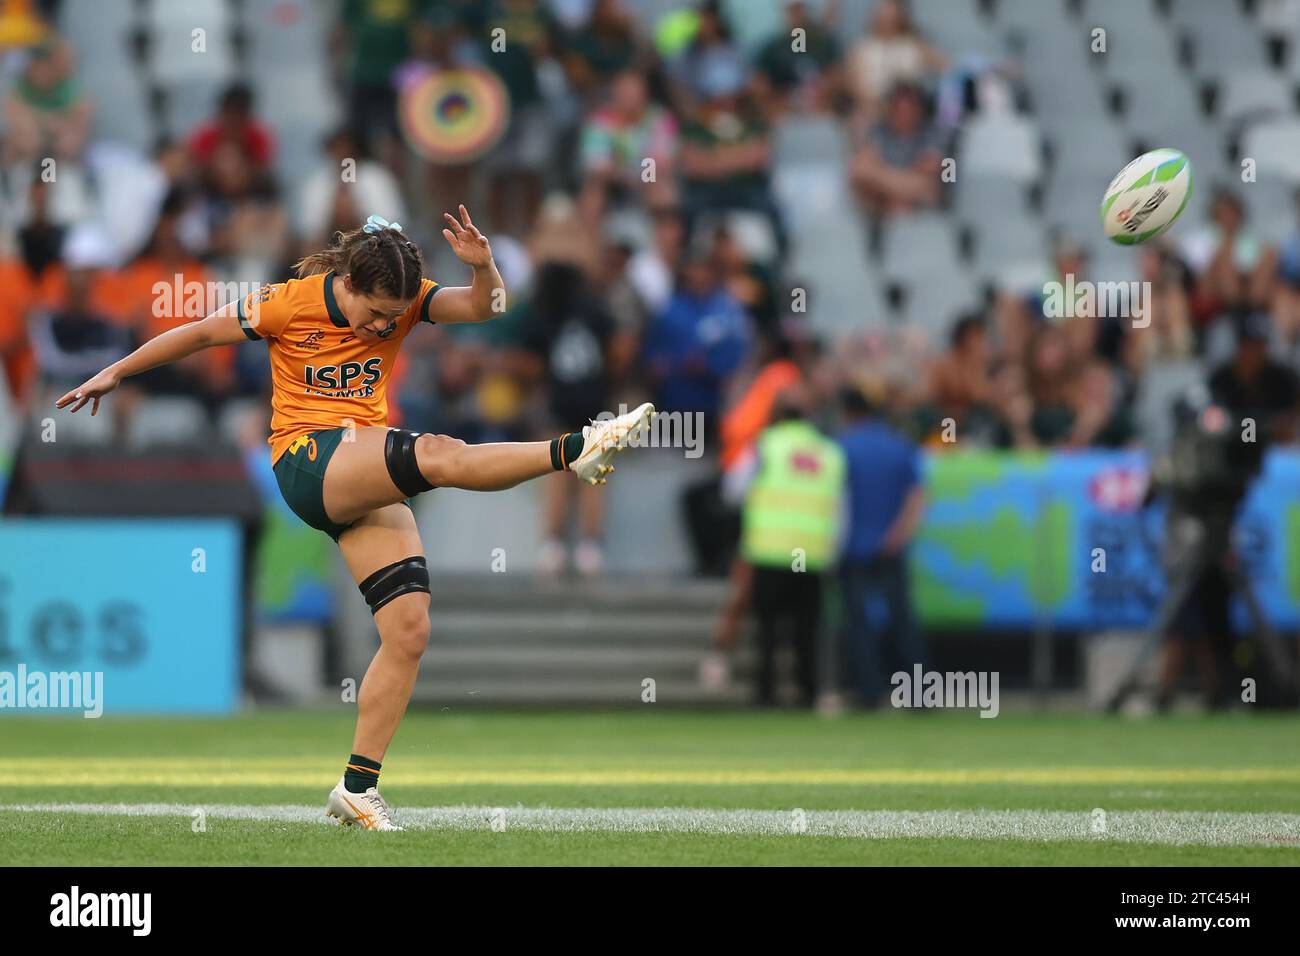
[1255,93]
[1007,146]
[918,245]
[158,420]
[1275,147]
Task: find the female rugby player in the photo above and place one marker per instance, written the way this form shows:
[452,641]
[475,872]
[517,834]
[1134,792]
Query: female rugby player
[332,335]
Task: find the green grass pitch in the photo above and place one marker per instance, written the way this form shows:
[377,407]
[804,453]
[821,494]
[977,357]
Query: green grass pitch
[655,786]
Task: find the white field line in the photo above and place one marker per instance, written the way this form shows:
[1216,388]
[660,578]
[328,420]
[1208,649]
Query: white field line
[1131,826]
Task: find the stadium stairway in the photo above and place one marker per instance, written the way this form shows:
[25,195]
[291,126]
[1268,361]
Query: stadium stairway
[536,641]
[522,640]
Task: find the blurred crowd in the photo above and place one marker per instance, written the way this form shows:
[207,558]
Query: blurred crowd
[631,207]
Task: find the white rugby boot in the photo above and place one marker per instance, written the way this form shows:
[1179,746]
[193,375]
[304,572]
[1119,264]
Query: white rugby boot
[604,439]
[366,810]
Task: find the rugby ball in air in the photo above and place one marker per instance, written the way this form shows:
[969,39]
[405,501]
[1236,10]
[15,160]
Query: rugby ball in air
[1147,195]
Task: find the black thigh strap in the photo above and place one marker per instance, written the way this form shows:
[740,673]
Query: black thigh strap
[401,577]
[399,454]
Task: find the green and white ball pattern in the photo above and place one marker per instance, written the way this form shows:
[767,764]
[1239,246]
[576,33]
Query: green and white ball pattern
[1147,195]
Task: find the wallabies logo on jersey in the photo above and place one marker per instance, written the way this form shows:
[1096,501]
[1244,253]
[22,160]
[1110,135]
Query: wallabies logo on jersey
[304,441]
[341,381]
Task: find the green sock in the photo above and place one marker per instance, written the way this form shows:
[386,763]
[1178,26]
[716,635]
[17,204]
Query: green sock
[565,449]
[361,774]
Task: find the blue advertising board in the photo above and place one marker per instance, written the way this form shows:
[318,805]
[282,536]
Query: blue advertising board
[154,605]
[1020,540]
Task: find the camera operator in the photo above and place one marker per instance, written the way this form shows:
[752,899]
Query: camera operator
[1218,450]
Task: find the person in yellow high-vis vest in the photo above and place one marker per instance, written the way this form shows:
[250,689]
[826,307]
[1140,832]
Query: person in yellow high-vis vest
[789,533]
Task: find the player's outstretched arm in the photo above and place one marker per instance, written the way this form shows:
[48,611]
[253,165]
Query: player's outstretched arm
[219,328]
[485,298]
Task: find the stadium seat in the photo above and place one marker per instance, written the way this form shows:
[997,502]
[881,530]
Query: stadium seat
[1035,14]
[1058,102]
[956,28]
[843,290]
[187,103]
[1269,202]
[280,93]
[807,193]
[209,14]
[298,133]
[1010,248]
[172,29]
[1006,146]
[1221,47]
[281,32]
[97,27]
[1095,149]
[1122,17]
[240,416]
[111,53]
[1074,201]
[804,139]
[297,151]
[933,302]
[1275,146]
[809,172]
[122,111]
[158,420]
[1147,59]
[73,201]
[918,246]
[979,198]
[172,61]
[1254,93]
[79,429]
[1153,93]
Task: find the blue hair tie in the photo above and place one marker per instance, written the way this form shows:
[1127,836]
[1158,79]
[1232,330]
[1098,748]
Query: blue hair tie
[376,224]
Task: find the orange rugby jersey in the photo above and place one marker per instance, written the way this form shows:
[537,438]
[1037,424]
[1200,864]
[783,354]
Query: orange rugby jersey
[322,375]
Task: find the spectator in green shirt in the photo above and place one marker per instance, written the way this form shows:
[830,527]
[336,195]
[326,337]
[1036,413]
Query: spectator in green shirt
[47,111]
[801,62]
[726,151]
[607,45]
[376,34]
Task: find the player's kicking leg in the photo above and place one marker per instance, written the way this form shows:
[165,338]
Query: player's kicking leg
[450,463]
[380,466]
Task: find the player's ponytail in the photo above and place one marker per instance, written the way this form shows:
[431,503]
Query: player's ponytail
[381,260]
